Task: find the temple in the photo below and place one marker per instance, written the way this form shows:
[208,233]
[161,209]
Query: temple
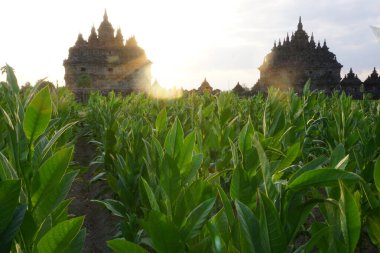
[295,60]
[105,62]
[372,85]
[352,85]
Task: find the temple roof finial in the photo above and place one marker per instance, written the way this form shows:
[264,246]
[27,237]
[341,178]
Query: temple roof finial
[300,24]
[105,16]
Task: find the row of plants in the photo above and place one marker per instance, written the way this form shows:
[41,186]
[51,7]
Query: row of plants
[283,172]
[276,173]
[36,150]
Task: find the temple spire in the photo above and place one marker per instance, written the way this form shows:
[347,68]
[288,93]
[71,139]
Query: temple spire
[93,38]
[325,45]
[119,38]
[312,42]
[80,41]
[300,26]
[105,16]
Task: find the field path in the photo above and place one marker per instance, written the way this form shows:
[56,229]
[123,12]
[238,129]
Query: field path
[99,222]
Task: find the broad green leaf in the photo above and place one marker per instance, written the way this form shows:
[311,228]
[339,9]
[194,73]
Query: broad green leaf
[7,119]
[271,233]
[291,155]
[54,197]
[161,120]
[60,213]
[196,219]
[376,173]
[187,150]
[54,139]
[123,246]
[59,238]
[7,171]
[116,207]
[164,234]
[313,165]
[193,168]
[11,78]
[245,138]
[9,196]
[38,114]
[269,187]
[227,205]
[249,226]
[174,139]
[337,155]
[50,174]
[7,236]
[76,245]
[152,199]
[323,177]
[373,225]
[349,218]
[295,213]
[242,188]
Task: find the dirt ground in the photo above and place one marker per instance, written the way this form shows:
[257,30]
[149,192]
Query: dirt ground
[99,223]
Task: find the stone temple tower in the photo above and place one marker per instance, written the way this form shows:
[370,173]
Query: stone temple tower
[105,62]
[295,60]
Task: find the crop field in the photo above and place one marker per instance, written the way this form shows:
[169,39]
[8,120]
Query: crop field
[276,173]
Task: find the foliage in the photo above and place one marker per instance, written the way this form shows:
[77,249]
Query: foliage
[35,176]
[227,174]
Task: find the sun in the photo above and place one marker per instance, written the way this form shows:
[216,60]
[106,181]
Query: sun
[175,41]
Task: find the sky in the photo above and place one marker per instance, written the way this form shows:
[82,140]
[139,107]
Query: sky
[224,41]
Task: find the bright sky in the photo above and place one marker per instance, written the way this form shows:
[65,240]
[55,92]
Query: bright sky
[222,40]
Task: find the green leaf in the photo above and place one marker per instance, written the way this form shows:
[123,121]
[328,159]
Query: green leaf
[59,238]
[161,120]
[227,205]
[337,155]
[245,138]
[7,236]
[164,234]
[196,219]
[323,177]
[187,151]
[11,78]
[123,246]
[76,245]
[291,155]
[9,196]
[116,207]
[313,165]
[50,174]
[376,174]
[271,233]
[269,187]
[38,114]
[249,226]
[54,197]
[54,139]
[373,225]
[242,187]
[193,168]
[174,139]
[152,199]
[349,218]
[7,171]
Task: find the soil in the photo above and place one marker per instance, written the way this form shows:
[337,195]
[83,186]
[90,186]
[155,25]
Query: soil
[99,223]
